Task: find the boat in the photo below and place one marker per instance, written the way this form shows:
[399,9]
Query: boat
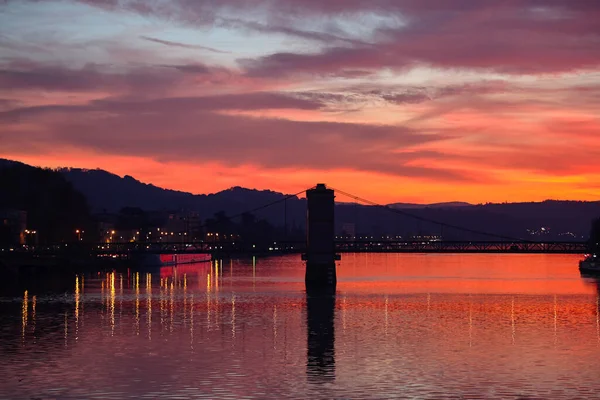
[184,258]
[151,261]
[590,264]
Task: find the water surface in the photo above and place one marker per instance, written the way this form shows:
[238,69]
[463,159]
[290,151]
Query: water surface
[402,326]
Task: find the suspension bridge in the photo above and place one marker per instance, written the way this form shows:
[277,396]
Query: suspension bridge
[493,242]
[321,248]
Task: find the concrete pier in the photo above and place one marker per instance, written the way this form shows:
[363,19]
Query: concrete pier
[320,256]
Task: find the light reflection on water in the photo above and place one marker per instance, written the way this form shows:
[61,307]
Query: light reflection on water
[407,326]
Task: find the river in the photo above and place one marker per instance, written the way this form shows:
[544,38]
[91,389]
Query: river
[399,326]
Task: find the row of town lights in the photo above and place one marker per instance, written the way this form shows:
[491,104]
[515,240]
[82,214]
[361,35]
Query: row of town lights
[162,233]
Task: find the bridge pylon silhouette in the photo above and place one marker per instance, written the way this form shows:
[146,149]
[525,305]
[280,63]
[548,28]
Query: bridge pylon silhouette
[320,253]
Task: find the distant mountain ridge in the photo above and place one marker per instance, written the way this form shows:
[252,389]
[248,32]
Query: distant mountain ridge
[4,163]
[110,192]
[432,205]
[134,193]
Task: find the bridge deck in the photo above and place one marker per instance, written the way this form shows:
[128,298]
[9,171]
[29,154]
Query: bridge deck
[299,247]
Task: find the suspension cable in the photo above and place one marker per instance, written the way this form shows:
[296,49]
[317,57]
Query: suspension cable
[263,206]
[424,219]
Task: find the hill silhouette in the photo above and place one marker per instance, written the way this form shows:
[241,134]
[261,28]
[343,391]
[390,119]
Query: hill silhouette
[55,209]
[432,205]
[108,192]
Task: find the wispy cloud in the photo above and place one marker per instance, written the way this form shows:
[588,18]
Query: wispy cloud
[182,45]
[323,37]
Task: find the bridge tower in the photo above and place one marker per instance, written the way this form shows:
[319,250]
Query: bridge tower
[320,254]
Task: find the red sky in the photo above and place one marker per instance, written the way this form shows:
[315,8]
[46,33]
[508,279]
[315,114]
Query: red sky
[414,100]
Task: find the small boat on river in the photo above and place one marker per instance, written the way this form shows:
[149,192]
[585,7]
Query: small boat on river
[590,264]
[149,261]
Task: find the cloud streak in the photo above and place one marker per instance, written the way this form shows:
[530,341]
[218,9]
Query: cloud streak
[182,45]
[174,105]
[254,26]
[167,130]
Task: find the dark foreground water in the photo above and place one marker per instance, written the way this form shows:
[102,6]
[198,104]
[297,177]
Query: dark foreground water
[399,326]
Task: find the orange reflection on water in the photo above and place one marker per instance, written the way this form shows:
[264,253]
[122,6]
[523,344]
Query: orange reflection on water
[33,306]
[76,307]
[185,315]
[149,304]
[112,302]
[512,319]
[233,316]
[216,275]
[24,310]
[192,321]
[462,273]
[137,303]
[102,293]
[171,306]
[208,300]
[162,303]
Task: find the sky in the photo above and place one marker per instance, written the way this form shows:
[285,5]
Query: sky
[393,100]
